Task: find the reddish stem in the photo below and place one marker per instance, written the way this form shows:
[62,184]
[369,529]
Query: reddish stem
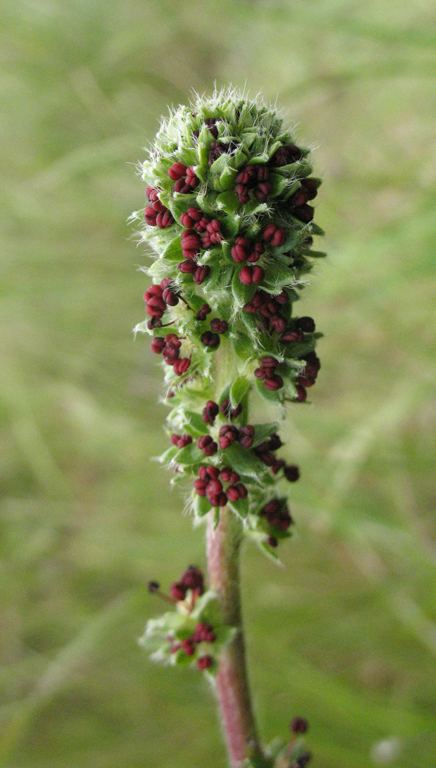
[232,685]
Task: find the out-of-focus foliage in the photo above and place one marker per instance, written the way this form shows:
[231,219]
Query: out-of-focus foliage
[344,633]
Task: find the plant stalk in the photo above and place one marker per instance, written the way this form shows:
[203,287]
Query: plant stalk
[232,684]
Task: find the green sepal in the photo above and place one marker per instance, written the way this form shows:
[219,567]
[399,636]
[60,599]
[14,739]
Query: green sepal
[201,506]
[241,293]
[194,424]
[168,455]
[227,201]
[173,252]
[273,396]
[243,346]
[263,431]
[239,508]
[179,204]
[238,390]
[244,461]
[188,455]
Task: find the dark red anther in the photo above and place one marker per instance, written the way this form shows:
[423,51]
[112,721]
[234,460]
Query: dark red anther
[193,579]
[301,394]
[191,244]
[269,363]
[299,725]
[205,662]
[292,473]
[277,466]
[208,473]
[214,488]
[164,219]
[177,171]
[285,155]
[277,324]
[273,235]
[232,493]
[304,213]
[157,344]
[306,324]
[201,274]
[210,339]
[187,267]
[262,191]
[178,591]
[227,410]
[207,445]
[152,194]
[188,647]
[240,249]
[273,382]
[228,475]
[251,275]
[219,326]
[246,436]
[274,442]
[227,435]
[291,337]
[255,253]
[200,486]
[203,312]
[210,412]
[182,365]
[204,633]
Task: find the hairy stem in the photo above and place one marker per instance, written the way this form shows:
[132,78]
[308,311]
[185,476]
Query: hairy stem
[232,685]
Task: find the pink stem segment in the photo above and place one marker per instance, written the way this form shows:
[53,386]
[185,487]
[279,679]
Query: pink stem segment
[232,685]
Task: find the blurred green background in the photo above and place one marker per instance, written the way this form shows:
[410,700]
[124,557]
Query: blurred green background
[344,634]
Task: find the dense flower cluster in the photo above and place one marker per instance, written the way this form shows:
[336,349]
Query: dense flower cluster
[229,219]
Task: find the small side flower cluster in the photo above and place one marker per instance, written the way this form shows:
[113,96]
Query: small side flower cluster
[282,754]
[229,220]
[192,633]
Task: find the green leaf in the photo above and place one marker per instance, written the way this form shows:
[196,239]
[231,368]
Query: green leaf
[238,390]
